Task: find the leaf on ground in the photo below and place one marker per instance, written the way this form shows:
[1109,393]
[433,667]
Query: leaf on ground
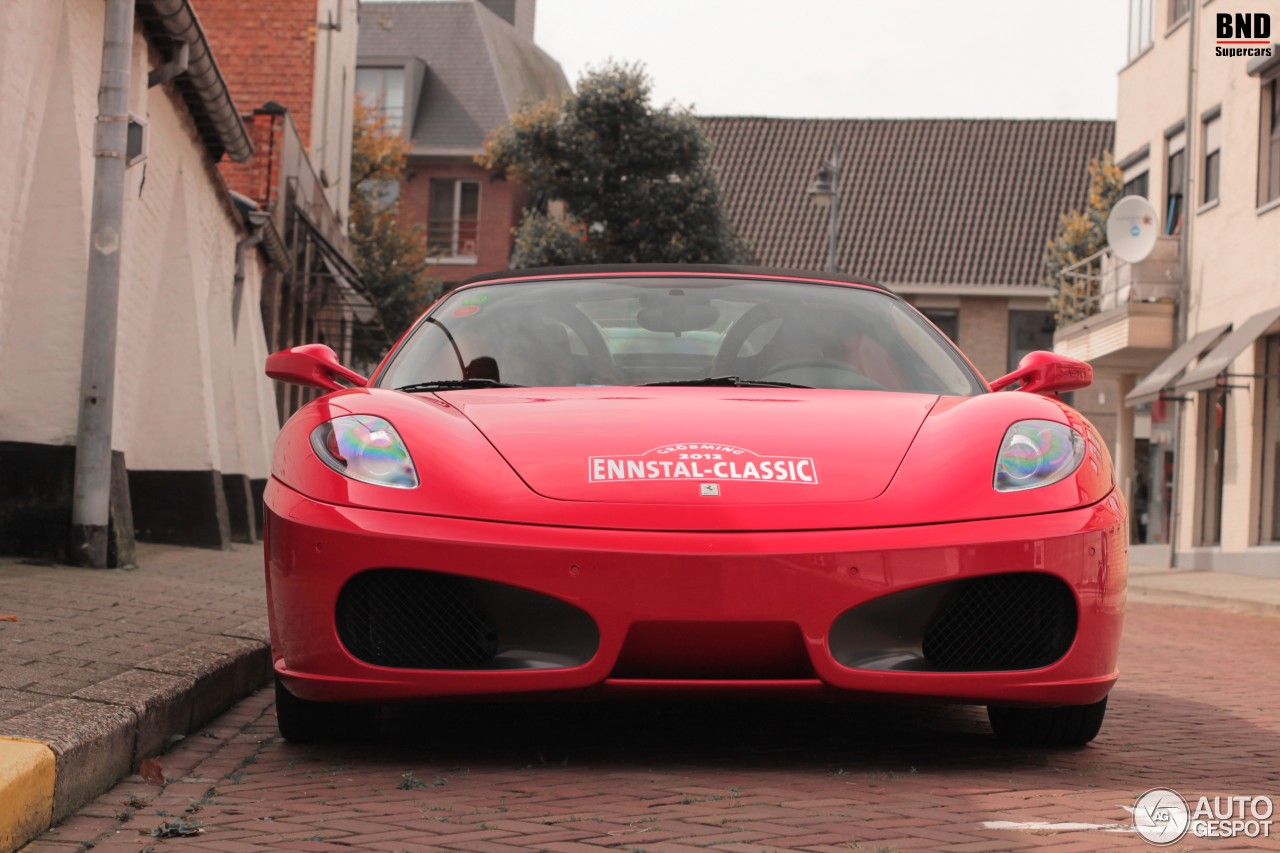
[152,772]
[180,828]
[8,618]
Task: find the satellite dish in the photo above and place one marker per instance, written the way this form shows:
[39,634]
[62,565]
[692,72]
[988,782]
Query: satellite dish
[1132,229]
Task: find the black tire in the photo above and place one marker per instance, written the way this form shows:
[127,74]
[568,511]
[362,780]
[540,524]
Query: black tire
[1069,725]
[304,721]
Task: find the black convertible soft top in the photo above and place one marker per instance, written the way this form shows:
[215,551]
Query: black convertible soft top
[658,269]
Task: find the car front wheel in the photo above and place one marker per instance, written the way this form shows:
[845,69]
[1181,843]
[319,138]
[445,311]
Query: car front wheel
[304,721]
[1069,725]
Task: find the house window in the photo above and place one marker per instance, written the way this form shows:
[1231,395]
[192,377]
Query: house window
[1212,136]
[1178,9]
[1269,147]
[1213,449]
[1175,180]
[383,90]
[1270,531]
[1135,173]
[453,222]
[1139,27]
[946,319]
[1137,185]
[1028,332]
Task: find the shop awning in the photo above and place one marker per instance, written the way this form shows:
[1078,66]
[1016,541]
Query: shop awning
[1205,374]
[1162,376]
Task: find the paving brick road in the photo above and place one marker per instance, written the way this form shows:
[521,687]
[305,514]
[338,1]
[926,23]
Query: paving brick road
[1196,710]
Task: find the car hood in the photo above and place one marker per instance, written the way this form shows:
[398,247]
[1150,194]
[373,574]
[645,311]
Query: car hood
[686,445]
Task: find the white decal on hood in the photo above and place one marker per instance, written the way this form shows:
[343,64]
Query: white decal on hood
[702,462]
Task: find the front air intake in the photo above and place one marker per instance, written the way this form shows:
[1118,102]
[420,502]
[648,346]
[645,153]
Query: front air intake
[1020,620]
[1003,622]
[411,619]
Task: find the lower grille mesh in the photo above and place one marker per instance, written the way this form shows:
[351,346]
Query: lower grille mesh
[1002,622]
[417,620]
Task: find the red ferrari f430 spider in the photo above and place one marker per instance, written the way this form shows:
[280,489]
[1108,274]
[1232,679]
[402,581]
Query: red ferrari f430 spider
[611,482]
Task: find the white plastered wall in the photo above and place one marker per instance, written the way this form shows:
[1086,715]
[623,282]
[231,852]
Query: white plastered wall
[189,394]
[333,99]
[48,88]
[1235,251]
[1235,258]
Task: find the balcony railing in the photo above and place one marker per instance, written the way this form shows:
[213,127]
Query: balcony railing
[303,190]
[1102,281]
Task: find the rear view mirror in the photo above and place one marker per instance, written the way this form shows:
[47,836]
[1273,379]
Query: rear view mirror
[314,366]
[675,311]
[1043,372]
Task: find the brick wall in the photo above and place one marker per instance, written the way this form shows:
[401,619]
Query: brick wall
[984,334]
[252,177]
[266,52]
[500,206]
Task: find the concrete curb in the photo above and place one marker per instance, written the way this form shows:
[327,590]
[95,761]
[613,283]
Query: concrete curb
[1182,598]
[59,756]
[1225,591]
[26,790]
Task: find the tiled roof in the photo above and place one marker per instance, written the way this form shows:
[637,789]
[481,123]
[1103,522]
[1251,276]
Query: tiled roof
[480,69]
[923,201]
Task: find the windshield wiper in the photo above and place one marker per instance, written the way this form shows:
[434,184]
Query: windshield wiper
[729,381]
[455,384]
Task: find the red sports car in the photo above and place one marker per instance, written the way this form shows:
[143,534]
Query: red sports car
[611,482]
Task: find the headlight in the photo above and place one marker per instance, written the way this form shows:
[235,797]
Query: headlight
[367,449]
[1037,453]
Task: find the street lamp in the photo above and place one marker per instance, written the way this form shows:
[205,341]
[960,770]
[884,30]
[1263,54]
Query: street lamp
[825,192]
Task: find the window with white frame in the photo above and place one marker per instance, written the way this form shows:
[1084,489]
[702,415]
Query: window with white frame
[453,222]
[1210,166]
[383,89]
[1139,27]
[1136,179]
[1269,143]
[1213,451]
[1178,9]
[1270,432]
[1175,181]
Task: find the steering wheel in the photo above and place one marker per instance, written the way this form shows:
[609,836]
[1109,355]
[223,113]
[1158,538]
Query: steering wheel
[736,336]
[847,371]
[593,340]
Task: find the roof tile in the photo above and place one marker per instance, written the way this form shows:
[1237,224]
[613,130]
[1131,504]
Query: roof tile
[480,69]
[923,201]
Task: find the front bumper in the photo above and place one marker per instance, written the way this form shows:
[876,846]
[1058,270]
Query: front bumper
[624,579]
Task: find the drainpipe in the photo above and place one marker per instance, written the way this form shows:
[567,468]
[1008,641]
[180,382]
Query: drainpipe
[258,219]
[91,500]
[1184,290]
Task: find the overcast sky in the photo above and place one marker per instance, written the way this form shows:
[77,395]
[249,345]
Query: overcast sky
[854,58]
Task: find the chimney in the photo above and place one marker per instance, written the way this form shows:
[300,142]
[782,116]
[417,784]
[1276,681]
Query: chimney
[517,13]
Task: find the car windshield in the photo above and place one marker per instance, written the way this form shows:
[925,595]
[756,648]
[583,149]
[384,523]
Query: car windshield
[676,330]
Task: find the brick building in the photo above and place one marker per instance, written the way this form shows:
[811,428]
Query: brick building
[447,73]
[301,55]
[290,66]
[952,214]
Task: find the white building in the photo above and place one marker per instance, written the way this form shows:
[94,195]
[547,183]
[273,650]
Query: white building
[194,416]
[1193,333]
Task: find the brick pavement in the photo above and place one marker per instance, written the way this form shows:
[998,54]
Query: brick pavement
[79,627]
[1195,710]
[104,667]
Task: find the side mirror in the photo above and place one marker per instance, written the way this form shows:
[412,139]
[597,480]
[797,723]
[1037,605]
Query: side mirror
[313,365]
[1043,372]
